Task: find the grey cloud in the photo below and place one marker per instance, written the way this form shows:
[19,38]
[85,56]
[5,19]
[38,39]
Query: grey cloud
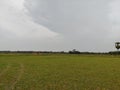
[70,15]
[86,25]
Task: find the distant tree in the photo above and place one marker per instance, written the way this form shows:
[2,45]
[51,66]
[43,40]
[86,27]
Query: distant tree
[74,51]
[117,45]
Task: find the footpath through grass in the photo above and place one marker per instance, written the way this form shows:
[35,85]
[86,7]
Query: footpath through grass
[59,72]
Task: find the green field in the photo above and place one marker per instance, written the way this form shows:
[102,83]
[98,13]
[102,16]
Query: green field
[59,72]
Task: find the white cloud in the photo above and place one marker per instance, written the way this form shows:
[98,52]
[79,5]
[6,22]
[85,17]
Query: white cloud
[19,4]
[15,20]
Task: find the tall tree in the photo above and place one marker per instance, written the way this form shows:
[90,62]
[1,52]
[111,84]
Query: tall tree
[117,45]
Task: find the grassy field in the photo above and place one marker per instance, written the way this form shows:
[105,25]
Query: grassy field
[59,72]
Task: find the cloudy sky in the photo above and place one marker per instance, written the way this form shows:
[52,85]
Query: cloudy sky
[85,25]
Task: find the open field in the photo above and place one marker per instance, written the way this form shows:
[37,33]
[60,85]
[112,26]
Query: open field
[59,72]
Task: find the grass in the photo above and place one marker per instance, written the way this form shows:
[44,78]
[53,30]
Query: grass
[59,72]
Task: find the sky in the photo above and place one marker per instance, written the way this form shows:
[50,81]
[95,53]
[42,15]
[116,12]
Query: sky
[59,25]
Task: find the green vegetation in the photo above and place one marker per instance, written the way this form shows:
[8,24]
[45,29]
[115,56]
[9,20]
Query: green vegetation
[59,72]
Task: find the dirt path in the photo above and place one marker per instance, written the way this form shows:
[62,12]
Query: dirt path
[19,76]
[5,70]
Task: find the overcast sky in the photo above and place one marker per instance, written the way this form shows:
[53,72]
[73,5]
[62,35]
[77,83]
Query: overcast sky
[85,25]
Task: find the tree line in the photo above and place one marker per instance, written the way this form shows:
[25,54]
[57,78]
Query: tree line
[74,51]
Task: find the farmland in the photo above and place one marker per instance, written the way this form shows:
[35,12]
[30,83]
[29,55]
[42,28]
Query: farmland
[59,72]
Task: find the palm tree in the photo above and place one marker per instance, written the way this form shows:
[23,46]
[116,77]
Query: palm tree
[117,45]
